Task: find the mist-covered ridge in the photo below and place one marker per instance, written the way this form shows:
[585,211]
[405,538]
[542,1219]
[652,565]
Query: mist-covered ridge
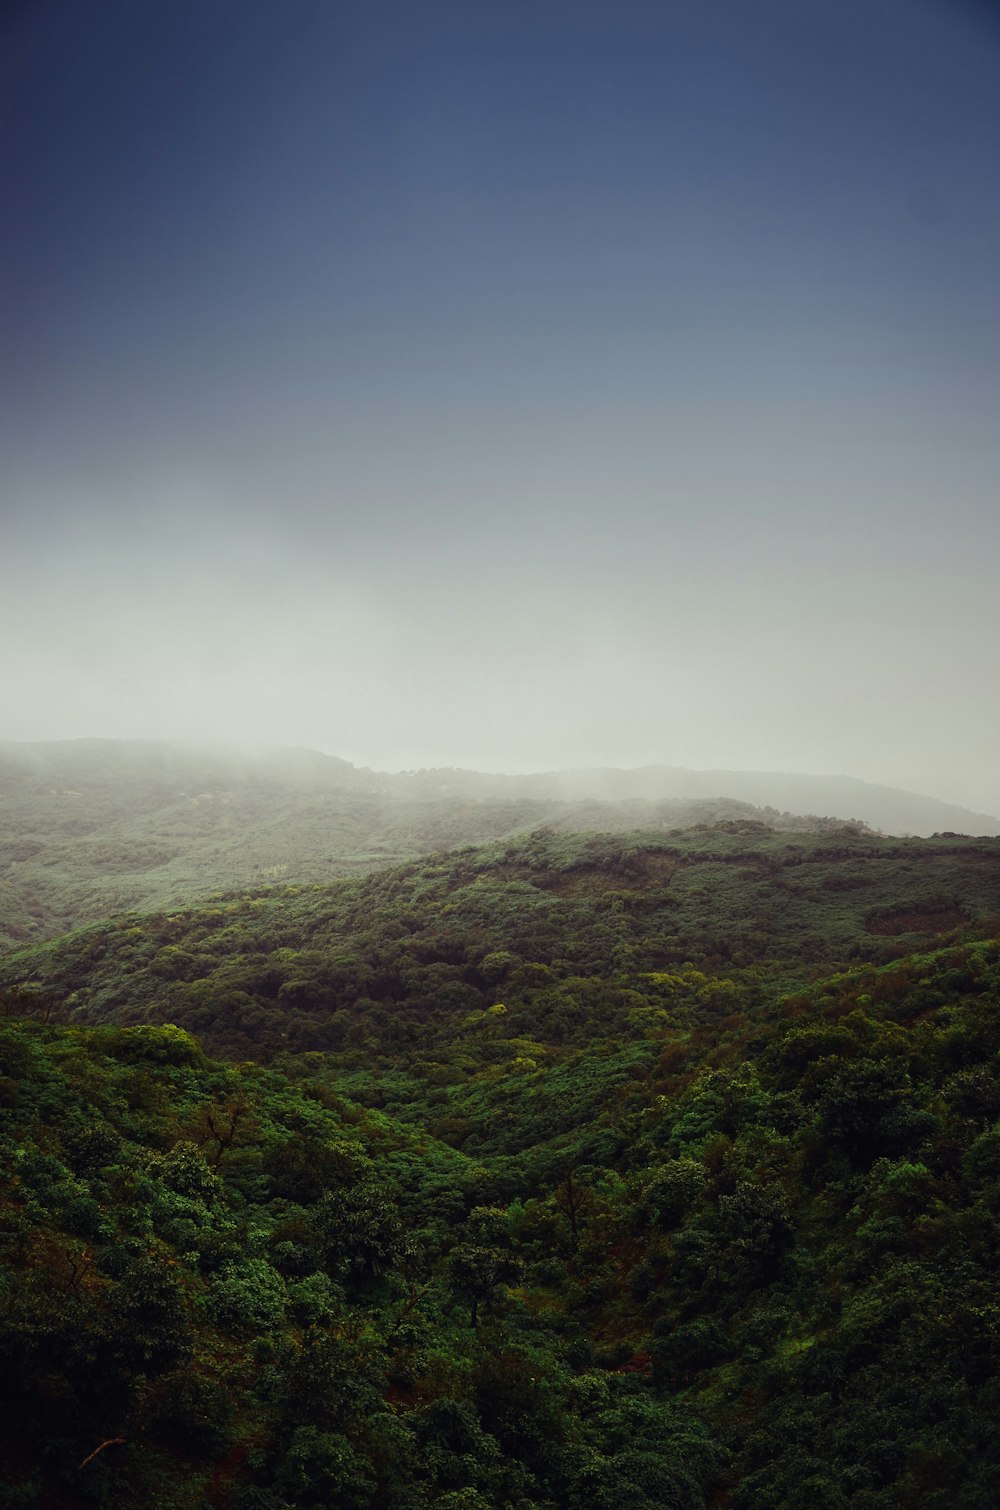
[92,827]
[108,762]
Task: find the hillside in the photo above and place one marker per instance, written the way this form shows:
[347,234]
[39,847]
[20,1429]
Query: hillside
[846,798]
[545,923]
[587,1170]
[92,827]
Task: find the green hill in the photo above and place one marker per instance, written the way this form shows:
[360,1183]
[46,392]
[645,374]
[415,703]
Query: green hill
[646,1170]
[315,967]
[92,827]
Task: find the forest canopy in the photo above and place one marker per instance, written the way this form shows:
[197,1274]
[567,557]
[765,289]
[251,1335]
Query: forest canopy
[574,1170]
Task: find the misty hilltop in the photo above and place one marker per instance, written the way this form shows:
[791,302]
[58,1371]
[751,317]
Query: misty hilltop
[144,769]
[91,827]
[782,793]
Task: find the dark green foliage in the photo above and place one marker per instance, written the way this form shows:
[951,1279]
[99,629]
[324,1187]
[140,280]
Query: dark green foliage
[523,1211]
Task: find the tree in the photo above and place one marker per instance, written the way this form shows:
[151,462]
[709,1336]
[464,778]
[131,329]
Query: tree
[483,1263]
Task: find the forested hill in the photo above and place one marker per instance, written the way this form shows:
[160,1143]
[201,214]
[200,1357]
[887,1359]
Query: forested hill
[887,809]
[92,827]
[405,950]
[624,1170]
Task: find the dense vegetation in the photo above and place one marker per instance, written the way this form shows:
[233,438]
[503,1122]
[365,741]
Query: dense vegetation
[575,936]
[631,1170]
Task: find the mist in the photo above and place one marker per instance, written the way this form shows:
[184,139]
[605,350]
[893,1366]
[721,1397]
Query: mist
[518,389]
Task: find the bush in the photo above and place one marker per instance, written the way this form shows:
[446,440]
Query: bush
[247,1296]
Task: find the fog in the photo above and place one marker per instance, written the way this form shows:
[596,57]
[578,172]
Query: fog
[512,388]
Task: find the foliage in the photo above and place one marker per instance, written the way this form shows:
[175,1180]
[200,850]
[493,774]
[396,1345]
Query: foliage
[522,1209]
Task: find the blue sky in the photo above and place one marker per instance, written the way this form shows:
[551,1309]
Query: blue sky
[510,385]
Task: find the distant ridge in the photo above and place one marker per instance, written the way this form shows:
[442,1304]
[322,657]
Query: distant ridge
[889,809]
[92,827]
[64,764]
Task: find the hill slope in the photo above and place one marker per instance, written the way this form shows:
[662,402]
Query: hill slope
[632,1170]
[415,949]
[92,827]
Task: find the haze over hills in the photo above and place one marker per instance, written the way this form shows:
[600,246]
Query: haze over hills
[126,766]
[506,400]
[885,808]
[92,827]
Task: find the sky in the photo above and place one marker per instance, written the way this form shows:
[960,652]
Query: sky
[506,385]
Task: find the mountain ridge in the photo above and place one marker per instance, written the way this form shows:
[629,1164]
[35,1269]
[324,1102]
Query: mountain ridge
[94,827]
[887,808]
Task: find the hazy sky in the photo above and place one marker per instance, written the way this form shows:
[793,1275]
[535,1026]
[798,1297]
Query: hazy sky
[502,384]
